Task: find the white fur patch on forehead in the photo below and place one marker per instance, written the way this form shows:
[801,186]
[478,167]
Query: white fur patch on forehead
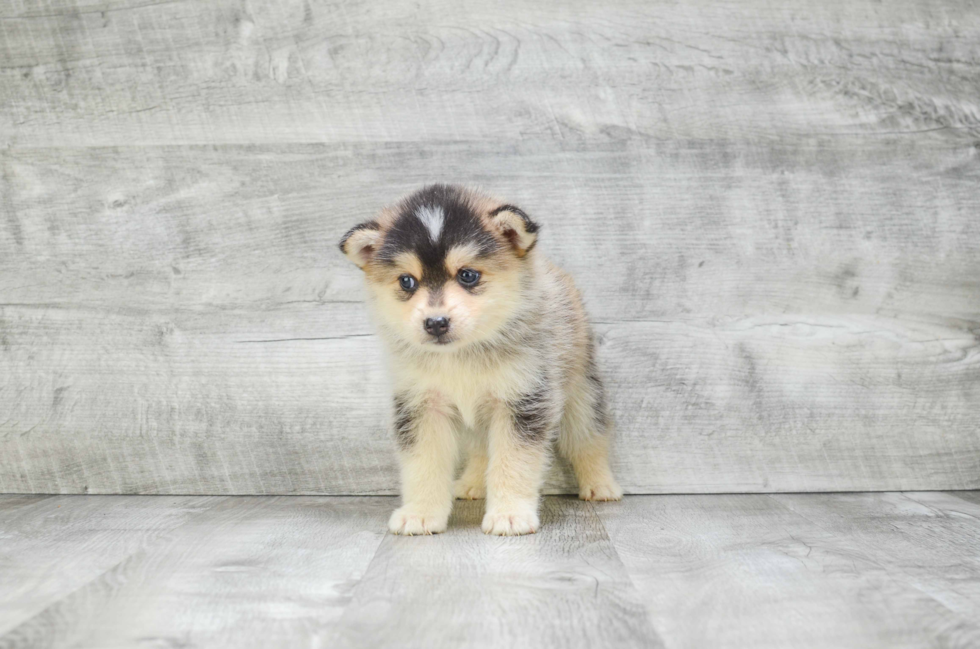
[433,218]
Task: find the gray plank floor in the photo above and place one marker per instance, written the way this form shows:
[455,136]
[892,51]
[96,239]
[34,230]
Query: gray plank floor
[815,570]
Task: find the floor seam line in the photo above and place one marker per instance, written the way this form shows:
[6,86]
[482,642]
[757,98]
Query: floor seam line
[141,550]
[612,544]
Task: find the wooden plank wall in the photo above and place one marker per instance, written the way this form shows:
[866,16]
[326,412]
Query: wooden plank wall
[772,209]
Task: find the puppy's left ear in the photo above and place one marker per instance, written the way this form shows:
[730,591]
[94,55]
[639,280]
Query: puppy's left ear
[515,226]
[361,243]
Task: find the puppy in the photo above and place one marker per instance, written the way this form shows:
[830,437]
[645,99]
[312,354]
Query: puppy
[492,355]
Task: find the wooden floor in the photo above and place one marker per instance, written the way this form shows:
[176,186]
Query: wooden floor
[817,570]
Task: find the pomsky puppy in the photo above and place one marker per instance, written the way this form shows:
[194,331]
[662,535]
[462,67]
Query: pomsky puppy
[492,355]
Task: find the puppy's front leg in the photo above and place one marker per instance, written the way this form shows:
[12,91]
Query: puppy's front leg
[518,445]
[427,451]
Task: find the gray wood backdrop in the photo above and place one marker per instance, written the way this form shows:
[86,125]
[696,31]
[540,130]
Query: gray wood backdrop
[773,209]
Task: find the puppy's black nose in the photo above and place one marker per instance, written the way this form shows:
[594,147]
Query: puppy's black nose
[437,326]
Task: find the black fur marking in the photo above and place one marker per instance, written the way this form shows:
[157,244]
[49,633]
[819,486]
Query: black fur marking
[600,413]
[369,225]
[404,422]
[531,417]
[529,225]
[461,225]
[599,407]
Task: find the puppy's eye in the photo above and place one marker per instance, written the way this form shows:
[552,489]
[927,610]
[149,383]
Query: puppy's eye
[408,283]
[468,276]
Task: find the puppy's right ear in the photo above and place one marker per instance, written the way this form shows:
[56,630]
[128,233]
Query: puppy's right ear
[361,242]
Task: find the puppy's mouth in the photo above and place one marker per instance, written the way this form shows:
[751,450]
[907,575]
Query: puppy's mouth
[439,341]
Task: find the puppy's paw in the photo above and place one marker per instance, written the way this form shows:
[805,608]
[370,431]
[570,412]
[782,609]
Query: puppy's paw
[467,490]
[601,491]
[510,523]
[412,522]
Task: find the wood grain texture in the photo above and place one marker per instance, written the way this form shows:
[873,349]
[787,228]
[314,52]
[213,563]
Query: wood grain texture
[81,72]
[969,496]
[185,325]
[242,572]
[770,210]
[799,571]
[931,540]
[59,545]
[561,587]
[827,571]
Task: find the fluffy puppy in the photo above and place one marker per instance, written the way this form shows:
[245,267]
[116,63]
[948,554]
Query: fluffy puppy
[492,355]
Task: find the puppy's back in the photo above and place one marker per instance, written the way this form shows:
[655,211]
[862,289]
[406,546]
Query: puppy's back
[569,333]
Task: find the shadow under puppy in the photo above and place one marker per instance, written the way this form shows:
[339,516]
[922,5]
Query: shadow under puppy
[492,355]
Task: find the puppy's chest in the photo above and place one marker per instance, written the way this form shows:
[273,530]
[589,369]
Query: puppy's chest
[466,386]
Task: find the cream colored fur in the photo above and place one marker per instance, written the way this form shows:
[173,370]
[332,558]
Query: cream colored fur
[463,394]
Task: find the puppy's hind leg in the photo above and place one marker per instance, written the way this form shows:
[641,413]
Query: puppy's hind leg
[584,439]
[472,483]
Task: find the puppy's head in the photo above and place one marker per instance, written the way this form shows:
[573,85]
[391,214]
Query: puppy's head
[444,266]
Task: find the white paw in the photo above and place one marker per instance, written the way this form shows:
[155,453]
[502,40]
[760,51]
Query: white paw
[604,491]
[469,491]
[510,523]
[411,522]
